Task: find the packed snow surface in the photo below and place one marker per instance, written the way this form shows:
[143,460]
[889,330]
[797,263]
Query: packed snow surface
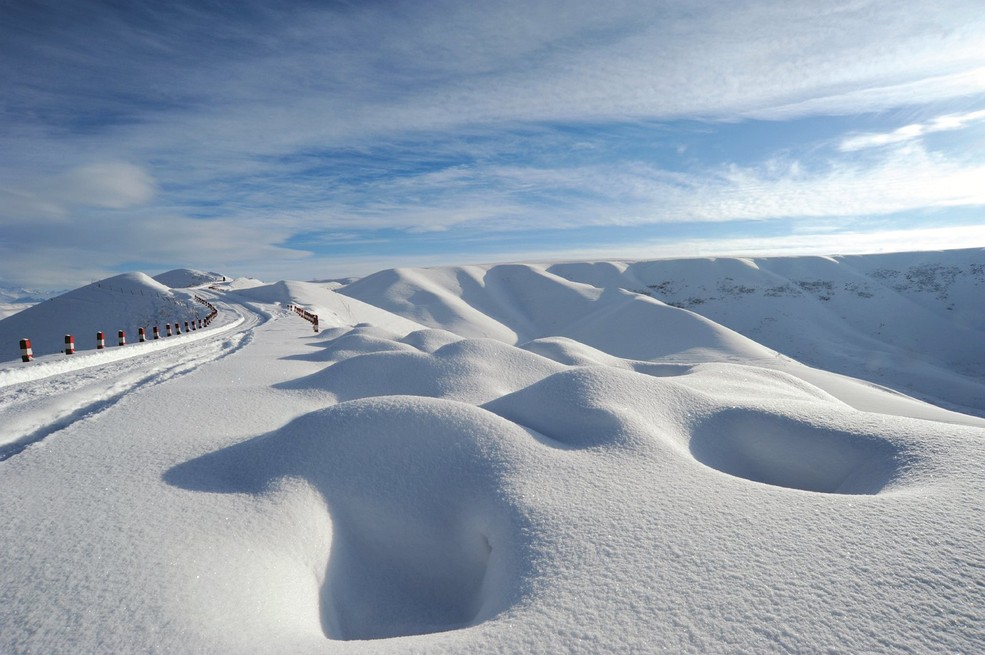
[483,459]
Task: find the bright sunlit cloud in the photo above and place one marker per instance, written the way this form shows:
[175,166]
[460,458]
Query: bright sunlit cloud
[445,131]
[912,131]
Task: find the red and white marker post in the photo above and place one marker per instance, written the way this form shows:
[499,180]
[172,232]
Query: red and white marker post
[26,353]
[69,344]
[141,335]
[157,333]
[168,326]
[122,336]
[100,341]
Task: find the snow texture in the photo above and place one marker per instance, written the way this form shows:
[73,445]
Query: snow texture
[516,462]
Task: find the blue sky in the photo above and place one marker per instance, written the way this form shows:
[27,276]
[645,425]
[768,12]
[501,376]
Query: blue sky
[321,139]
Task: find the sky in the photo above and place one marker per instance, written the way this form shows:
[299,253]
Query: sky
[320,139]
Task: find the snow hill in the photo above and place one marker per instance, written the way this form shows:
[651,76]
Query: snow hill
[483,459]
[182,278]
[123,302]
[911,321]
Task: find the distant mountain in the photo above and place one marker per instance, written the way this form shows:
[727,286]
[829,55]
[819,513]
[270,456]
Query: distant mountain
[14,300]
[124,302]
[21,295]
[183,278]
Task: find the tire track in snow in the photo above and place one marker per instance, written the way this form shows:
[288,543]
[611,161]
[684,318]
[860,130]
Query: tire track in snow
[33,414]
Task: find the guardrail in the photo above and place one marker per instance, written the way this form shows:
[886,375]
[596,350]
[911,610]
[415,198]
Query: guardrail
[27,352]
[305,314]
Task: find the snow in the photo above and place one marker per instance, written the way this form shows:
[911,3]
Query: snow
[13,300]
[911,321]
[182,278]
[485,459]
[123,302]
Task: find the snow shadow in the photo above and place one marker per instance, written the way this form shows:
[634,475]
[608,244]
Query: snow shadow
[784,451]
[424,537]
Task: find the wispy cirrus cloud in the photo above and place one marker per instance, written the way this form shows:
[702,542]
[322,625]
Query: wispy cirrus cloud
[269,125]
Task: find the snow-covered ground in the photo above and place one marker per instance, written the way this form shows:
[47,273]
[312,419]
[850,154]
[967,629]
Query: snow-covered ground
[497,459]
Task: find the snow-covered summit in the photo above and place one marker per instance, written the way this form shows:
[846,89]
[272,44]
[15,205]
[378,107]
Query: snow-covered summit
[182,278]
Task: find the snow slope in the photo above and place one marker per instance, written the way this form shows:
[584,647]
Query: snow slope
[182,278]
[911,321]
[519,303]
[478,480]
[123,302]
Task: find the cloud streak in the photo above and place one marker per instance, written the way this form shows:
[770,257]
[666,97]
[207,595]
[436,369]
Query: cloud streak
[912,132]
[259,123]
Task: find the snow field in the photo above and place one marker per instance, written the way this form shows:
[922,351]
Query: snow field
[911,321]
[469,477]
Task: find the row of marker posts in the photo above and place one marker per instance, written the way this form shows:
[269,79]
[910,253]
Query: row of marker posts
[306,315]
[27,354]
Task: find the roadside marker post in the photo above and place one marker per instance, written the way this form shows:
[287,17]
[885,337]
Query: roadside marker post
[69,344]
[26,353]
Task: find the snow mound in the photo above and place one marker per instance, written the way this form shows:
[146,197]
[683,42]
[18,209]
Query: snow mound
[468,370]
[242,283]
[742,436]
[183,278]
[123,302]
[422,538]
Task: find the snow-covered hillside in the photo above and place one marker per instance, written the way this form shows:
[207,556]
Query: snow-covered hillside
[482,459]
[124,302]
[183,278]
[911,321]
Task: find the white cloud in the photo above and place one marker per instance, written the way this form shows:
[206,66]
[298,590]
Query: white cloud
[113,185]
[107,185]
[946,123]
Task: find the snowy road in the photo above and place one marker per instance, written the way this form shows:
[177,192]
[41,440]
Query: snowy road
[47,395]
